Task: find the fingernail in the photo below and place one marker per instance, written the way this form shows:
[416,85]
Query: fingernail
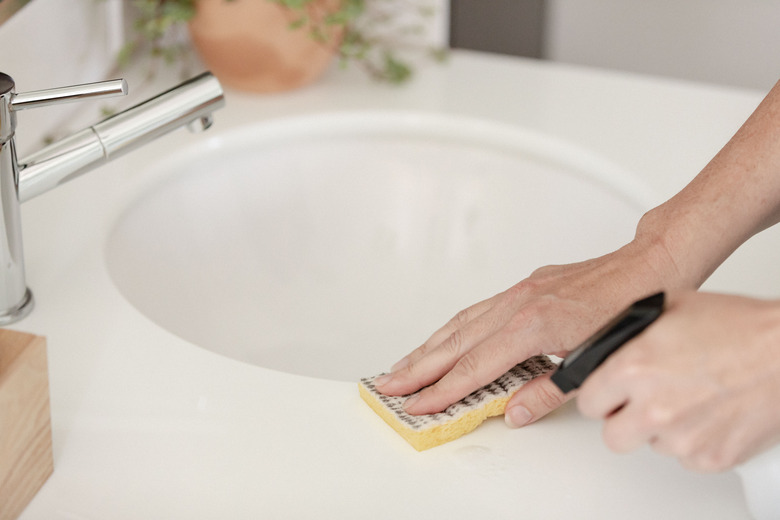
[411,402]
[383,379]
[517,416]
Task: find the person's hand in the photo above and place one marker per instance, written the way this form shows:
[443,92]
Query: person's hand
[550,312]
[701,384]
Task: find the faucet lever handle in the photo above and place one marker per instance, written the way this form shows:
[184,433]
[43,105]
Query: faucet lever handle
[53,96]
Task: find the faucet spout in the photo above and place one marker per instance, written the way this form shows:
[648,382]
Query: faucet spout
[191,102]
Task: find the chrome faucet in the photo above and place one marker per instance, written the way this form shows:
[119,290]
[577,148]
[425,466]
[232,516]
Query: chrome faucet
[190,103]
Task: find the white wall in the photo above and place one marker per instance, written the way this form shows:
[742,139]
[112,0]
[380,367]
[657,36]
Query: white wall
[732,42]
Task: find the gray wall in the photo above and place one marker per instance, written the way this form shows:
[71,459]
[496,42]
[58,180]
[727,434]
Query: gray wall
[505,26]
[729,42]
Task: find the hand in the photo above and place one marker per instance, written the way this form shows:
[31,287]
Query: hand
[701,384]
[550,312]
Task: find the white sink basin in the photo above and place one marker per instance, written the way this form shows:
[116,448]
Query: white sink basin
[331,245]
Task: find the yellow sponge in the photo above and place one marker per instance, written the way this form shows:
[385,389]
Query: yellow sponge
[427,431]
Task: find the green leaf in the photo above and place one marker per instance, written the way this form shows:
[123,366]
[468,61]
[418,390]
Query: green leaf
[396,71]
[178,11]
[300,22]
[293,4]
[126,53]
[350,10]
[318,35]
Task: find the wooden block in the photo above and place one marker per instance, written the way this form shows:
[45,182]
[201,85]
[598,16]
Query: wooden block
[25,422]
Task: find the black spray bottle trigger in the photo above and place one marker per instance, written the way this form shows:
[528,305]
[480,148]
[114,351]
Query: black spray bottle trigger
[583,360]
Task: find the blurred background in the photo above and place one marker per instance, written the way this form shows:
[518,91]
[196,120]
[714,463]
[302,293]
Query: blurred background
[730,42]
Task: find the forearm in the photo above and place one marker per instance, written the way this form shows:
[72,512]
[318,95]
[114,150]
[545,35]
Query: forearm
[734,197]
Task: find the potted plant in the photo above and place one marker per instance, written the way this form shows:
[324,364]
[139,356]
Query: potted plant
[275,45]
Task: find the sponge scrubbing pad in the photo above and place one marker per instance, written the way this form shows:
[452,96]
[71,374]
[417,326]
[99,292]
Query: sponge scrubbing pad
[427,431]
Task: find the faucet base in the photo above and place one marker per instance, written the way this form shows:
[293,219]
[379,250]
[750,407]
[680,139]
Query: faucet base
[19,311]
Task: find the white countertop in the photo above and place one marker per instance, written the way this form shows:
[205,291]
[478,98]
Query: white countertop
[146,425]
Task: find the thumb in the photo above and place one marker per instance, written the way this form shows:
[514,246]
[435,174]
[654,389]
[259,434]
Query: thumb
[533,401]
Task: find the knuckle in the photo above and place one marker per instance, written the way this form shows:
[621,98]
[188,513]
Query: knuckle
[714,460]
[544,271]
[549,396]
[619,438]
[467,369]
[658,417]
[522,289]
[682,446]
[461,318]
[420,351]
[528,317]
[553,271]
[630,365]
[453,346]
[679,447]
[627,362]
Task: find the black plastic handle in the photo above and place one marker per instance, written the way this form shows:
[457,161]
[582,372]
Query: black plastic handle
[583,360]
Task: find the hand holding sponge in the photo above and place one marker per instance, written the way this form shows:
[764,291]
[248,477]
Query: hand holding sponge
[427,431]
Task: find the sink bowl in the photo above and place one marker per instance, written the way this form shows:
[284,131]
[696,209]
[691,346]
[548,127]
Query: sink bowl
[330,245]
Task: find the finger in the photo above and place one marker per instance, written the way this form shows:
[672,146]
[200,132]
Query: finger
[478,367]
[698,444]
[626,430]
[662,446]
[520,331]
[707,463]
[599,402]
[459,321]
[533,401]
[440,360]
[604,391]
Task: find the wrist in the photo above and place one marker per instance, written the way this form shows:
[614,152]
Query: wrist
[773,335]
[668,248]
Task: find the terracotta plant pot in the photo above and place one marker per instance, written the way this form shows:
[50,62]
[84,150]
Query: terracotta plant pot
[249,44]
